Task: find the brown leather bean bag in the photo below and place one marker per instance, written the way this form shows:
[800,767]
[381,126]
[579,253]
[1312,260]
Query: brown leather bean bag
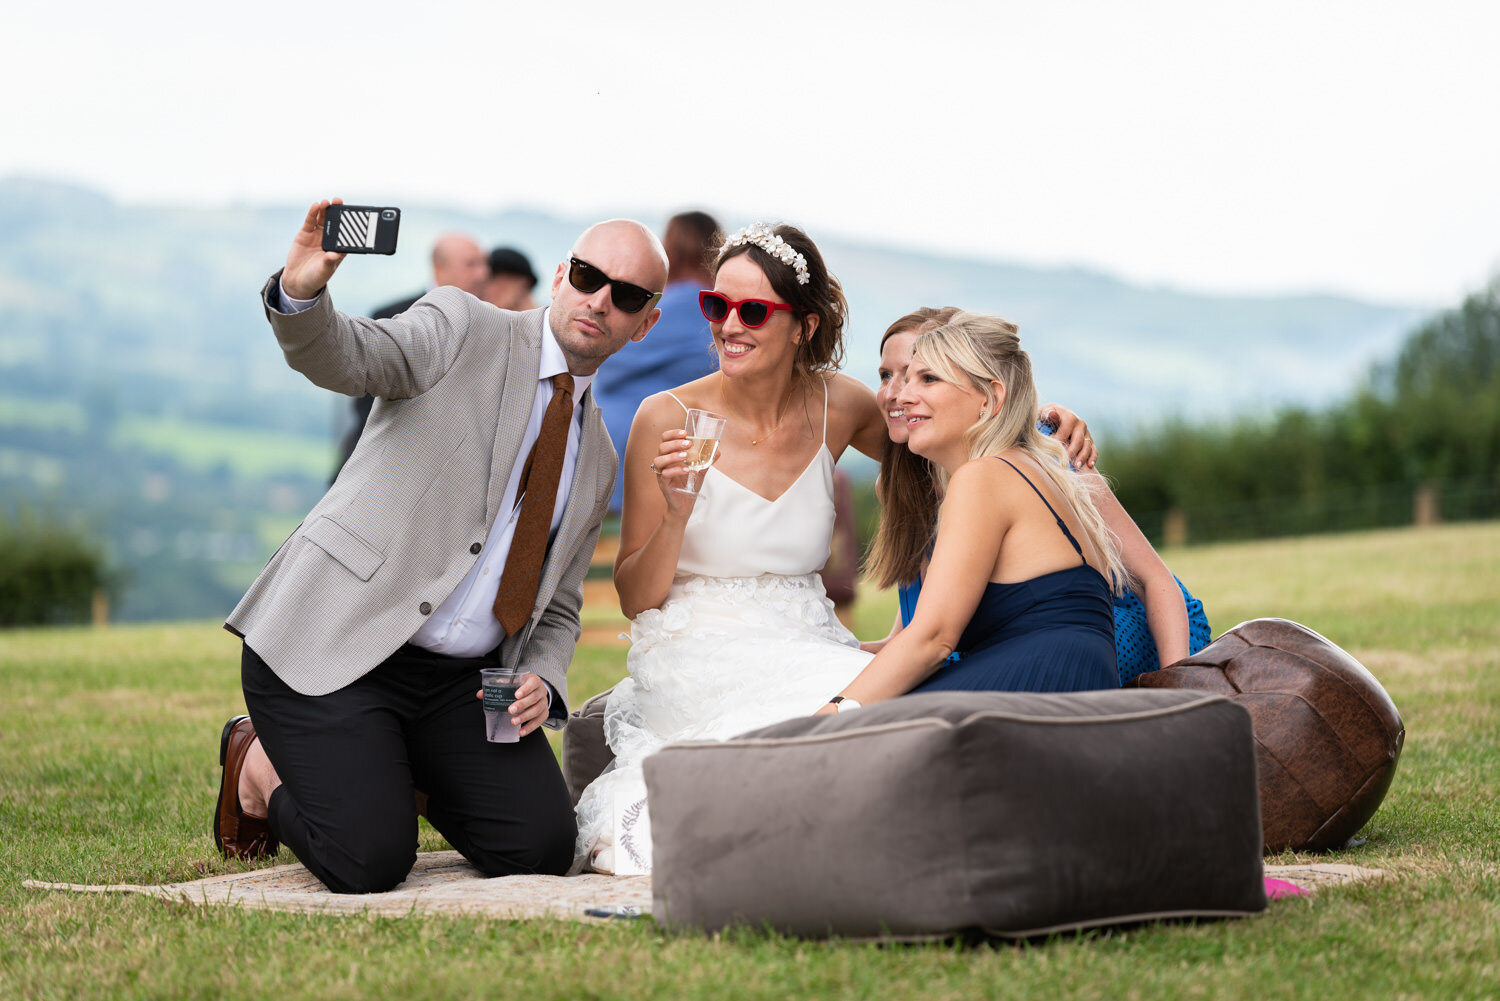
[1327,735]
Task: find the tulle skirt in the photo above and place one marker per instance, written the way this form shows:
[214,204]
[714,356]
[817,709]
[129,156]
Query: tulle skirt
[722,655]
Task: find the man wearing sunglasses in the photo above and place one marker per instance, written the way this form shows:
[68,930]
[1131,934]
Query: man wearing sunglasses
[456,537]
[681,346]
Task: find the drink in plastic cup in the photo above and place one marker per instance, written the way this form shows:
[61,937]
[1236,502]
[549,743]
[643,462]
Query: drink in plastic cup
[500,685]
[704,429]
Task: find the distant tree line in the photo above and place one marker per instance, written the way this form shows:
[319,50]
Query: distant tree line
[49,573]
[1418,440]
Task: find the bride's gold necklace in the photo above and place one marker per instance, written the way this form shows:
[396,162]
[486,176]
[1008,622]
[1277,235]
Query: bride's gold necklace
[785,406]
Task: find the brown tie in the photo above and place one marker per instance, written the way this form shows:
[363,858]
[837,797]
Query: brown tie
[528,547]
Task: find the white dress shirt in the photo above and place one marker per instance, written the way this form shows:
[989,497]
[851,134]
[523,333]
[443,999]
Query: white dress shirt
[464,625]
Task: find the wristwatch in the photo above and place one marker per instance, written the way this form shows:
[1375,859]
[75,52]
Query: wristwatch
[842,703]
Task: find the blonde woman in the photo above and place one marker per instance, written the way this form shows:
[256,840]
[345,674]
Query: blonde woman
[1019,578]
[1157,620]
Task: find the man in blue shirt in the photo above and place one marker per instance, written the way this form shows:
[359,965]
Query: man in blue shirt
[679,349]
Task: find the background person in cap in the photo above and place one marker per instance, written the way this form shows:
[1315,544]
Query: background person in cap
[511,280]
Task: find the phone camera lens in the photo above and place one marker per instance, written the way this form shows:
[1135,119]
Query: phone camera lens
[388,214]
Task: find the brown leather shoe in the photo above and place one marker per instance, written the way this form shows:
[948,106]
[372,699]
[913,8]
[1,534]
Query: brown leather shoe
[237,834]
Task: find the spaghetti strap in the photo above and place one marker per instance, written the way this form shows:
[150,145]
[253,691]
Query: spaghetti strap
[1060,523]
[673,395]
[825,411]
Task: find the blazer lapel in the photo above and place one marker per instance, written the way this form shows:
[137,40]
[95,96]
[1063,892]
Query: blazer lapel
[523,363]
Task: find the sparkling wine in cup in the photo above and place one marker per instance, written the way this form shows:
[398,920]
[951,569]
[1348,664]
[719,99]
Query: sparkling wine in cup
[704,429]
[500,684]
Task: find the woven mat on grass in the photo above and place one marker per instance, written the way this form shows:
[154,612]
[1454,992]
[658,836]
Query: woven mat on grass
[443,883]
[440,883]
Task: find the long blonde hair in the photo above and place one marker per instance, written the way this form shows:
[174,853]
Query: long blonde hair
[976,350]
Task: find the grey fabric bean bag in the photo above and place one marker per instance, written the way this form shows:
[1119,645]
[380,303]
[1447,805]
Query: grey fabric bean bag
[1013,814]
[584,752]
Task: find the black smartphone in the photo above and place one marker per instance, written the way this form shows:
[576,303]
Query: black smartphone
[361,229]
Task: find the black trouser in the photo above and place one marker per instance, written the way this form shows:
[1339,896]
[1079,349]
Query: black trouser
[349,760]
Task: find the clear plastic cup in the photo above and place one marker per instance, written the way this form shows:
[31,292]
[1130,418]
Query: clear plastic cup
[500,685]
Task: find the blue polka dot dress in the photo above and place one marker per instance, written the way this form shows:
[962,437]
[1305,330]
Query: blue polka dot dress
[1135,650]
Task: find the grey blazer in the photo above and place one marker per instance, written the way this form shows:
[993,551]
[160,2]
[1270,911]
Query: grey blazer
[454,379]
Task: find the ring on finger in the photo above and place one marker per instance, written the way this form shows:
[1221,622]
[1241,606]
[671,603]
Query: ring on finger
[655,470]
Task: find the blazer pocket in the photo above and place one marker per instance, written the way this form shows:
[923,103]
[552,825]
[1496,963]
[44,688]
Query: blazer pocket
[359,558]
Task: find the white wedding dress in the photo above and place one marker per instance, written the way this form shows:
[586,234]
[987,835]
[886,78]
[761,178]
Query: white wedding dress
[747,637]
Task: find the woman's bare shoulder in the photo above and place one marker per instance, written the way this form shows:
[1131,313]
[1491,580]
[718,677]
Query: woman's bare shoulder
[846,389]
[700,394]
[986,471]
[979,497]
[664,408]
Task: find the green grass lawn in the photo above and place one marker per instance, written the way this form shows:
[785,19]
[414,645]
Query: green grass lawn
[108,773]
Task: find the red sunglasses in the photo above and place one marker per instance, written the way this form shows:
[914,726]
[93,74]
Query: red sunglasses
[753,312]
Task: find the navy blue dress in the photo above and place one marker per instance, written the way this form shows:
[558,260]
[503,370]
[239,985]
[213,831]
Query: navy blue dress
[1053,633]
[1135,648]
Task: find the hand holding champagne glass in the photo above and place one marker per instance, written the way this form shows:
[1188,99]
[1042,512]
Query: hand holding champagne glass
[704,428]
[684,457]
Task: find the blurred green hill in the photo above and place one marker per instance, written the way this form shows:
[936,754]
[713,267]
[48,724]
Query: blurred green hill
[143,399]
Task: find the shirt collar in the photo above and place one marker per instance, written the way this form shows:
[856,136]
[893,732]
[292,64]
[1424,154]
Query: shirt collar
[553,360]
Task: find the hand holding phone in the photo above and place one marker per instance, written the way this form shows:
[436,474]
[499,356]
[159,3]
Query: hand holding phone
[331,230]
[308,266]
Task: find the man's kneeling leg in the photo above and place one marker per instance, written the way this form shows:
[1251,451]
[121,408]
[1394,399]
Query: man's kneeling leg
[345,804]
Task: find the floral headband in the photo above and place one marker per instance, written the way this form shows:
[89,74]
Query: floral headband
[762,236]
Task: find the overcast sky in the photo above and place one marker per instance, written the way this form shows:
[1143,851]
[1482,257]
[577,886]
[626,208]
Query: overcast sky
[1273,146]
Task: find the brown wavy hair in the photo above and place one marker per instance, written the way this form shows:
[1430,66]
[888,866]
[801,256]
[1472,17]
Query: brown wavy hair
[906,488]
[822,297]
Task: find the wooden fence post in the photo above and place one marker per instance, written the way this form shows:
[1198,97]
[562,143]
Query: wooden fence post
[1424,505]
[1174,527]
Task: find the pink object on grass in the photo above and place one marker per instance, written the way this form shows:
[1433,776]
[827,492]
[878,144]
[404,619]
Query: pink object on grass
[1278,888]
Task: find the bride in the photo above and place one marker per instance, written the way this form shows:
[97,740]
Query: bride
[730,627]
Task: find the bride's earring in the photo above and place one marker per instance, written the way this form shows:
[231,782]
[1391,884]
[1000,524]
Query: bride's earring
[983,414]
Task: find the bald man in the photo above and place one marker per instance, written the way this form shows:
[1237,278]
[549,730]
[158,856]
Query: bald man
[457,261]
[366,632]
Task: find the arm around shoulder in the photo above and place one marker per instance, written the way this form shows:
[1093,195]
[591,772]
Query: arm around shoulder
[1166,613]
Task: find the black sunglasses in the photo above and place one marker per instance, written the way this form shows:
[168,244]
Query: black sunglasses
[588,279]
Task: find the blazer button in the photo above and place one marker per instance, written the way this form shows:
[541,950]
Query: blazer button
[425,608]
[475,548]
